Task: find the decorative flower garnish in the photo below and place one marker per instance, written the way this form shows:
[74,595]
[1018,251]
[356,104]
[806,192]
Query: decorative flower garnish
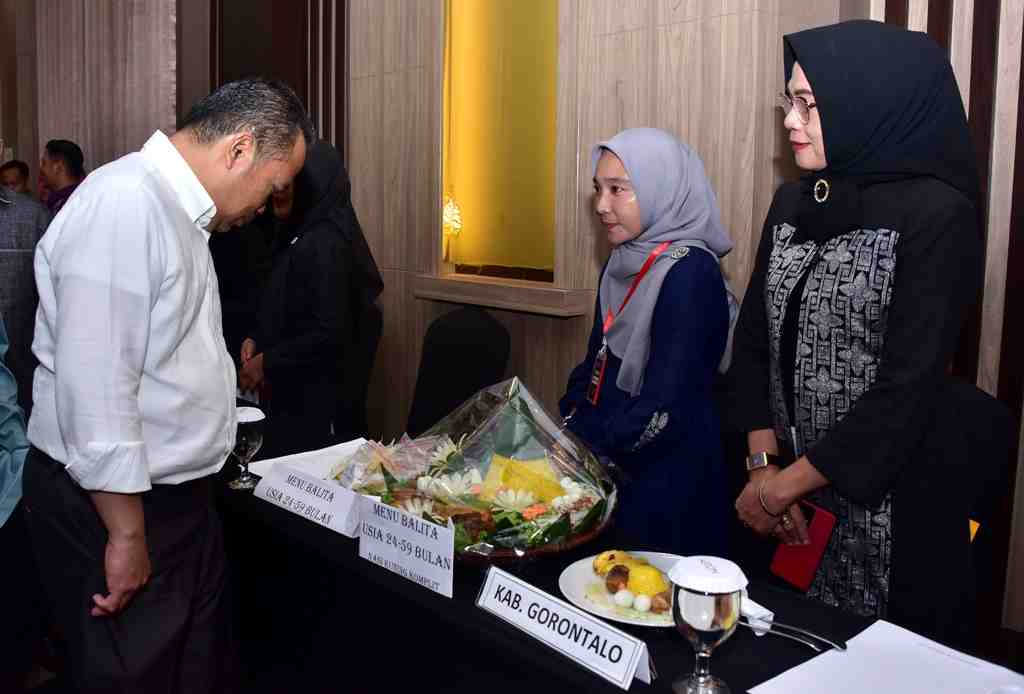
[455,484]
[514,499]
[443,451]
[576,501]
[417,506]
[442,455]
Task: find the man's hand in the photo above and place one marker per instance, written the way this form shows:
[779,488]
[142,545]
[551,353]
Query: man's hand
[251,375]
[127,569]
[248,349]
[126,561]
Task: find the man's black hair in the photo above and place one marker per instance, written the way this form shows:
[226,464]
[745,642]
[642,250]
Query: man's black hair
[69,153]
[269,109]
[17,164]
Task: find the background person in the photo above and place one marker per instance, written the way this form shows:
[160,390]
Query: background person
[62,168]
[14,176]
[306,341]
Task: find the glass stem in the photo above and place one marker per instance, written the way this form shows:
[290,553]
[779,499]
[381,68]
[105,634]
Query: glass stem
[702,669]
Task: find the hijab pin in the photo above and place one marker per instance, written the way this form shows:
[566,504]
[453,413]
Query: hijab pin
[821,190]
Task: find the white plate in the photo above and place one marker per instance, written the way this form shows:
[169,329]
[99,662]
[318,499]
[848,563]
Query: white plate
[585,589]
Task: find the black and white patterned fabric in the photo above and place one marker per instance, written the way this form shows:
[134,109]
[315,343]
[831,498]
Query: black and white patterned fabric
[840,336]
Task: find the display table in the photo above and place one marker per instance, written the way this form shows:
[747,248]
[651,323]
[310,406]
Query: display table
[316,617]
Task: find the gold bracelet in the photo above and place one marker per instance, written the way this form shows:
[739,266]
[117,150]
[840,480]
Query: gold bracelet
[760,497]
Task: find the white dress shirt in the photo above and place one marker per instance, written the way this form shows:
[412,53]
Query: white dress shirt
[134,385]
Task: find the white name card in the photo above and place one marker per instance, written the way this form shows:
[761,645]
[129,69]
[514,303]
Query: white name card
[593,644]
[411,547]
[321,501]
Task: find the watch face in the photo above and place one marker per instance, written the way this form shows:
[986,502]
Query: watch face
[758,460]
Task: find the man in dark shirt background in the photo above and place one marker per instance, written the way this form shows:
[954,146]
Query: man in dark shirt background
[62,168]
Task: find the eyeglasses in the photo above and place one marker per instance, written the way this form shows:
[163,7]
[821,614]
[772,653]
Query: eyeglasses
[803,109]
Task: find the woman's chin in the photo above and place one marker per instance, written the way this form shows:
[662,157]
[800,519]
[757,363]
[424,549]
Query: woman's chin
[808,161]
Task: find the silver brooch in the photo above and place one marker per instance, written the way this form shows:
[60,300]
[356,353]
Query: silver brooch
[678,253]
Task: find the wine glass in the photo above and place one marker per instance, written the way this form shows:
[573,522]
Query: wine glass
[706,597]
[247,443]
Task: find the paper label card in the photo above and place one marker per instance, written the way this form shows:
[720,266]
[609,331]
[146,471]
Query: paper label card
[407,545]
[593,644]
[320,501]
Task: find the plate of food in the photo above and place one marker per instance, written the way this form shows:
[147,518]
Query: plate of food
[629,587]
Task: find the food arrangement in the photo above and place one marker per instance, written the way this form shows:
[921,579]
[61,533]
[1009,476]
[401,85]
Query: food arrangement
[509,480]
[633,583]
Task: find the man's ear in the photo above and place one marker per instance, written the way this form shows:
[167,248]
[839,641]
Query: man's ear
[241,150]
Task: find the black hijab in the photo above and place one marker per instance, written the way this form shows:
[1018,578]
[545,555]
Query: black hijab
[322,205]
[890,109]
[323,196]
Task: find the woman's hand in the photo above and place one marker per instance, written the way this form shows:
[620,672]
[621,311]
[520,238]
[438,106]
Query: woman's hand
[748,504]
[780,491]
[788,524]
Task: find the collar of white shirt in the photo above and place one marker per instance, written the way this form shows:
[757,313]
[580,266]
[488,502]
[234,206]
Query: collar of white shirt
[182,179]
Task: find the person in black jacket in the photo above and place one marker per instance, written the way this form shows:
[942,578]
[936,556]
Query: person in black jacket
[306,342]
[865,272]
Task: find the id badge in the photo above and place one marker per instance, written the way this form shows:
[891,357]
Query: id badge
[597,375]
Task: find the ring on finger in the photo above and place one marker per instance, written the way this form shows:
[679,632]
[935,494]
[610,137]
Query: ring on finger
[787,522]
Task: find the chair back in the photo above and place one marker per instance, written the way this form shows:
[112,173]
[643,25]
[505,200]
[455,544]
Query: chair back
[463,351]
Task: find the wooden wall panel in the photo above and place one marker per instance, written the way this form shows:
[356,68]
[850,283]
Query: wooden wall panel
[364,163]
[394,159]
[917,15]
[365,38]
[26,144]
[733,169]
[393,371]
[570,270]
[960,47]
[1000,191]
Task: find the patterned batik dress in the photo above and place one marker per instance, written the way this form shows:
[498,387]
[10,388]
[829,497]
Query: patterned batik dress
[840,335]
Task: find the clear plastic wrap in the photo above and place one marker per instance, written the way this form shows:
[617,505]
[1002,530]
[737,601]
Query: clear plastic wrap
[511,479]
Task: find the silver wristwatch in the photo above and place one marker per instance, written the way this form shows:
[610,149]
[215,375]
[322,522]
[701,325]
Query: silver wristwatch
[761,459]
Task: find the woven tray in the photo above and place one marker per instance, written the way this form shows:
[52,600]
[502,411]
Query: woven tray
[506,557]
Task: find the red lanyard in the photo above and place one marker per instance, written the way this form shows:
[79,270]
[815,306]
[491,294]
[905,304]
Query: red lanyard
[601,358]
[609,319]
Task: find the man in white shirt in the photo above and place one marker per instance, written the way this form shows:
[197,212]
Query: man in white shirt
[135,391]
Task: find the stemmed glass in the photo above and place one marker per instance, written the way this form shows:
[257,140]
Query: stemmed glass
[706,597]
[247,443]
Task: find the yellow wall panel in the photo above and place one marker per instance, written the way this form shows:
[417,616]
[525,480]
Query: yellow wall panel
[499,130]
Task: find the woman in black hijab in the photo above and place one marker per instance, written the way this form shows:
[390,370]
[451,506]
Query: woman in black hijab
[313,319]
[865,271]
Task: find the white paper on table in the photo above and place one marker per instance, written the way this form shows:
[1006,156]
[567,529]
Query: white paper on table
[316,463]
[886,658]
